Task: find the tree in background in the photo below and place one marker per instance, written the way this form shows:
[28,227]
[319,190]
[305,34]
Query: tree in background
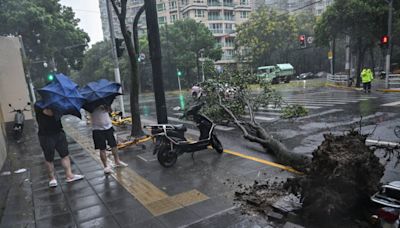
[182,43]
[266,38]
[120,8]
[365,21]
[49,32]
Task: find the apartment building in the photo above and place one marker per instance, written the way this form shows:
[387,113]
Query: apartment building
[133,7]
[220,16]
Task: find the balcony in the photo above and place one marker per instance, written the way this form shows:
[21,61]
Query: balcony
[229,18]
[217,31]
[228,4]
[214,3]
[214,18]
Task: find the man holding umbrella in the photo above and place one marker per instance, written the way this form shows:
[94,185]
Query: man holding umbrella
[58,98]
[99,96]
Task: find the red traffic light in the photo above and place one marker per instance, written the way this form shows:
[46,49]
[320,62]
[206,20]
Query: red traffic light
[384,39]
[302,37]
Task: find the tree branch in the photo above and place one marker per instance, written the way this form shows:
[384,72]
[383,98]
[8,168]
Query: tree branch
[135,29]
[114,5]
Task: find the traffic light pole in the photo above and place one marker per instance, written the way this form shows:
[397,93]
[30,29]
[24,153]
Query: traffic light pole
[387,68]
[115,57]
[153,35]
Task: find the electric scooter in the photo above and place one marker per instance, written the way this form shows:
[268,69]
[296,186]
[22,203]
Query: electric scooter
[170,141]
[19,120]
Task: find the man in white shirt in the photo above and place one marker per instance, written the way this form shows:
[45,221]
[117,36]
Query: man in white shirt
[103,134]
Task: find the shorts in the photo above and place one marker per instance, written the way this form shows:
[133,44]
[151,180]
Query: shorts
[103,137]
[50,143]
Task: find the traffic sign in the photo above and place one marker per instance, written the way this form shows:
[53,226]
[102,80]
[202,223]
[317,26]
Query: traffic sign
[310,39]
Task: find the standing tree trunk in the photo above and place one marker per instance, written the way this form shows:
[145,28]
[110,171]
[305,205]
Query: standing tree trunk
[136,130]
[360,60]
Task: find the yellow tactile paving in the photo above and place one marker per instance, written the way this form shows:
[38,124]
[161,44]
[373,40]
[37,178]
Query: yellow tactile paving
[151,197]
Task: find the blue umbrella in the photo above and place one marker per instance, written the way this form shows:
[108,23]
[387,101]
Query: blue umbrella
[62,96]
[101,92]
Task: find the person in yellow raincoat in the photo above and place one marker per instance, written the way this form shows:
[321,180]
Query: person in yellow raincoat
[366,78]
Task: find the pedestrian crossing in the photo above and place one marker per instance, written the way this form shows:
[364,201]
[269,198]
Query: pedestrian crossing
[318,104]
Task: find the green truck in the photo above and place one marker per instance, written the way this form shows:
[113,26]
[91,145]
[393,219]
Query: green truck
[276,74]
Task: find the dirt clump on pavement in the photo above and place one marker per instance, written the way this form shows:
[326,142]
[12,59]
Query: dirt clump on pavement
[335,191]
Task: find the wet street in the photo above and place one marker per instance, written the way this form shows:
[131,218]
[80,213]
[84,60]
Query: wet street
[197,191]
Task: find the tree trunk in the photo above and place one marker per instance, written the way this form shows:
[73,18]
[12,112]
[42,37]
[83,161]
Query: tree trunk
[197,67]
[136,130]
[360,61]
[371,53]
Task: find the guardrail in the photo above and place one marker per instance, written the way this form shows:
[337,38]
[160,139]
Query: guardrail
[338,78]
[394,80]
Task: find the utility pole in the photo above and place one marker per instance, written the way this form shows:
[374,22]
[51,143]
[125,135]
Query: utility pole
[115,57]
[347,65]
[387,68]
[153,35]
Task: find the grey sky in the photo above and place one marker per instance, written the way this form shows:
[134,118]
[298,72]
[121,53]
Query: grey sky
[88,12]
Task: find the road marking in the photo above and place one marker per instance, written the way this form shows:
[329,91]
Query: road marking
[392,103]
[156,201]
[266,162]
[264,118]
[320,114]
[382,143]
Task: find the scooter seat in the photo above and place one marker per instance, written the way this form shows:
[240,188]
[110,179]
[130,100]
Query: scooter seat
[180,127]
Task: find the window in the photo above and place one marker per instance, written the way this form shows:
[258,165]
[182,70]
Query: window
[244,14]
[215,28]
[173,18]
[229,28]
[160,6]
[172,5]
[185,15]
[229,42]
[228,3]
[184,2]
[162,20]
[198,1]
[228,15]
[213,15]
[244,2]
[199,13]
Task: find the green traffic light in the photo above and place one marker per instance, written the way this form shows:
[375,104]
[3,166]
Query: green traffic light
[179,73]
[50,77]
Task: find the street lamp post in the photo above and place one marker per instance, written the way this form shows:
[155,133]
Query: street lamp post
[202,63]
[387,68]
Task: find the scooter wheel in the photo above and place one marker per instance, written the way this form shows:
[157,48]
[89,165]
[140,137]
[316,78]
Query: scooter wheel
[216,144]
[166,157]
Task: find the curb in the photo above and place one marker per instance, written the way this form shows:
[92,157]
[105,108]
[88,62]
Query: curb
[389,90]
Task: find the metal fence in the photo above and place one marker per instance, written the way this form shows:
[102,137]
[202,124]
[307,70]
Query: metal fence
[394,80]
[338,78]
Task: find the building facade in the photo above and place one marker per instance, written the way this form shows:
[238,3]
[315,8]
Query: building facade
[133,7]
[220,16]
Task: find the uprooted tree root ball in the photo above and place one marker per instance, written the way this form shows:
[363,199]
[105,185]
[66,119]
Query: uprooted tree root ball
[336,189]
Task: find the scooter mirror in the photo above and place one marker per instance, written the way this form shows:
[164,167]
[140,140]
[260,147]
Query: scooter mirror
[29,103]
[9,105]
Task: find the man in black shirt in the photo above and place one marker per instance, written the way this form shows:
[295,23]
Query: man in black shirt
[51,138]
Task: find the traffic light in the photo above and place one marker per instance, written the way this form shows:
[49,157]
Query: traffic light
[302,39]
[50,77]
[118,46]
[384,40]
[178,73]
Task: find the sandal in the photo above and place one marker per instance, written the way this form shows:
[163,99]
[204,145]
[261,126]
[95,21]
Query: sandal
[53,183]
[75,178]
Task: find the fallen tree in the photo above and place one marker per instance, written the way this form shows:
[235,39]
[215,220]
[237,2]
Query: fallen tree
[337,179]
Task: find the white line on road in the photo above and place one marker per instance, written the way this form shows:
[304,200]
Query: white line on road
[383,143]
[321,113]
[264,118]
[392,103]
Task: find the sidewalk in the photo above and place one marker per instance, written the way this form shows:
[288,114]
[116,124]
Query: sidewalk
[193,193]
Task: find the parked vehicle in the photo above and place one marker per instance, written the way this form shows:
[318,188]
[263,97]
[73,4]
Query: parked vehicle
[19,120]
[386,217]
[197,91]
[170,141]
[304,76]
[389,195]
[276,74]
